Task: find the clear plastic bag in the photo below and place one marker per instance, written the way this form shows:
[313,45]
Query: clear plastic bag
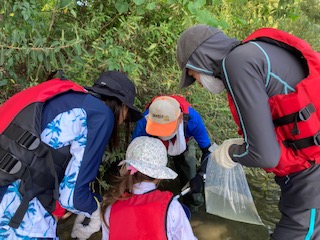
[228,194]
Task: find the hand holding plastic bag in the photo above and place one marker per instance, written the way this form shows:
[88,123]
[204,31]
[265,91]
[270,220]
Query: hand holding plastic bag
[221,153]
[226,190]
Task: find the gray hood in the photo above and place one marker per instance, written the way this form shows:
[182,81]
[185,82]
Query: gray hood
[205,56]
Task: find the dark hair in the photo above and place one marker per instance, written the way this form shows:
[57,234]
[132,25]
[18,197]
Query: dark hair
[121,188]
[115,105]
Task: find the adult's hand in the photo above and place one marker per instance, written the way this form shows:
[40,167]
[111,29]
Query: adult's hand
[221,153]
[84,231]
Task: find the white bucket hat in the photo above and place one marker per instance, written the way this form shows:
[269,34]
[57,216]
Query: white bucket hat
[149,156]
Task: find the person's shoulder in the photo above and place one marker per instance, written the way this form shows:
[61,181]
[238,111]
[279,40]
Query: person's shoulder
[94,106]
[193,114]
[249,50]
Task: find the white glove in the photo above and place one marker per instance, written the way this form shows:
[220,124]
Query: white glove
[221,153]
[83,232]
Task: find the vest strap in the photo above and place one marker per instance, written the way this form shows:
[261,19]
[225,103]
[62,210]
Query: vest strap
[303,115]
[304,142]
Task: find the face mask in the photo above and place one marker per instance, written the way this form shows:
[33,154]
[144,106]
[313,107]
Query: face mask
[211,83]
[168,137]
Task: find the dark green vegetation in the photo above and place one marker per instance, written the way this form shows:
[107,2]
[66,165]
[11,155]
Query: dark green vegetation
[138,37]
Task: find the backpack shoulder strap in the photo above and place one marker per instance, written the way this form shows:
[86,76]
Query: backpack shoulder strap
[38,93]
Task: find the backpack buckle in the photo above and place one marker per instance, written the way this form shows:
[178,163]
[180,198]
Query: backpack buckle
[9,163]
[29,140]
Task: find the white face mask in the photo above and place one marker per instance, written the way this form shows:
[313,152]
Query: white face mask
[168,137]
[211,83]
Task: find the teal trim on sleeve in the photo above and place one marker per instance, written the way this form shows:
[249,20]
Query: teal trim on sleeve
[238,110]
[268,62]
[312,222]
[286,86]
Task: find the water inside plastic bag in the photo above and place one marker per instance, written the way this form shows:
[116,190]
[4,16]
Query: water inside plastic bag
[228,195]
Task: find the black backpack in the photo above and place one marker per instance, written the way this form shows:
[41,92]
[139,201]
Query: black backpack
[23,155]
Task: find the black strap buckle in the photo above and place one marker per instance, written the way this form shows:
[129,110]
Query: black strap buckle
[22,136]
[305,113]
[316,139]
[302,115]
[29,140]
[9,163]
[304,142]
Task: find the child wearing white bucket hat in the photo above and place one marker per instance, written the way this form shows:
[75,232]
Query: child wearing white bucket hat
[134,201]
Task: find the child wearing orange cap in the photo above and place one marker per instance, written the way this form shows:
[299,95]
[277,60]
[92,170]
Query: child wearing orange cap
[179,126]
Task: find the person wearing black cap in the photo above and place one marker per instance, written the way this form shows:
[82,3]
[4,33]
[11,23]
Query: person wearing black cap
[261,75]
[86,122]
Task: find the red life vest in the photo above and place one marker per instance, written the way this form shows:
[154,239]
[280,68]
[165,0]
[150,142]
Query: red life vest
[296,115]
[141,217]
[23,155]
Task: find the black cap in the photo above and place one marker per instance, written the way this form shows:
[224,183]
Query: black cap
[117,84]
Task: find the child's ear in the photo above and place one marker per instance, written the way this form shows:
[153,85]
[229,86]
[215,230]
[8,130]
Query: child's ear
[123,170]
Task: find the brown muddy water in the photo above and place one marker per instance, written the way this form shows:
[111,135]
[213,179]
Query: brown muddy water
[210,227]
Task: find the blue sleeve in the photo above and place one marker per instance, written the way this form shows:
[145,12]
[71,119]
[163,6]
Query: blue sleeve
[100,123]
[197,129]
[87,133]
[140,128]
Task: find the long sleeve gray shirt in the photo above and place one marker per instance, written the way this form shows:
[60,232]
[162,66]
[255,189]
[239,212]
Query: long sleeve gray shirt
[254,72]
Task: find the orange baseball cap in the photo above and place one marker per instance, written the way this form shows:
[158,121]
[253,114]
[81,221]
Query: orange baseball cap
[163,117]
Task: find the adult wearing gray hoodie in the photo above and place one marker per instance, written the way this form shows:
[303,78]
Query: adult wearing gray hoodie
[252,73]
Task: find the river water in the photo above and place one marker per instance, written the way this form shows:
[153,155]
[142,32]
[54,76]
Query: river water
[210,227]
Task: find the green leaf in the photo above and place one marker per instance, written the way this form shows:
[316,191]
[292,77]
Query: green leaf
[61,60]
[152,46]
[140,11]
[40,57]
[9,63]
[65,3]
[1,56]
[192,8]
[73,13]
[151,6]
[122,7]
[3,82]
[53,59]
[47,64]
[77,49]
[8,52]
[200,3]
[139,2]
[225,25]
